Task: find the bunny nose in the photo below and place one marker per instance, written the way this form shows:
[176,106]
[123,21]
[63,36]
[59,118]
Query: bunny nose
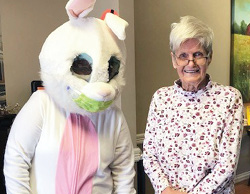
[104,92]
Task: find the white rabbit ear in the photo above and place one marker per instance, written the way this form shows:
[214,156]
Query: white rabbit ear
[79,8]
[117,25]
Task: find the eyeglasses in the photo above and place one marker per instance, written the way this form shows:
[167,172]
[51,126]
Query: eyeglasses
[198,59]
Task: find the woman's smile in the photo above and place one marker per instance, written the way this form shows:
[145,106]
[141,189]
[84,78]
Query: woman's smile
[192,71]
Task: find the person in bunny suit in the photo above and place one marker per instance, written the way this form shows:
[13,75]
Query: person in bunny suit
[71,138]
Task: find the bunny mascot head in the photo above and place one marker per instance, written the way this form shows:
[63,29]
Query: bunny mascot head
[82,61]
[70,138]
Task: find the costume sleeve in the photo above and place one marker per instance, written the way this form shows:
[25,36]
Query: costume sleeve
[123,165]
[150,161]
[222,174]
[23,138]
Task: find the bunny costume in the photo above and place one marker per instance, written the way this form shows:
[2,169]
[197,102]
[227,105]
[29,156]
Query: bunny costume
[71,138]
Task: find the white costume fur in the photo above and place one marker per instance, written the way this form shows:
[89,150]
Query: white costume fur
[82,35]
[35,154]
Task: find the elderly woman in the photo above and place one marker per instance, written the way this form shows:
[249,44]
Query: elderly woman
[194,127]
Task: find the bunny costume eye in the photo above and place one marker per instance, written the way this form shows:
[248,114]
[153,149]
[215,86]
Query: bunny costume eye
[82,66]
[114,65]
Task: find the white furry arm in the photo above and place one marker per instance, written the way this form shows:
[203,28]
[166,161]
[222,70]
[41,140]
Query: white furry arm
[123,165]
[21,145]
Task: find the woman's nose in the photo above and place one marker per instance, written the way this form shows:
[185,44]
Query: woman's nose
[191,62]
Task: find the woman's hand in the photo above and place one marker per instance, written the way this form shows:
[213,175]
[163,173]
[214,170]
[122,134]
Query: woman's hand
[168,190]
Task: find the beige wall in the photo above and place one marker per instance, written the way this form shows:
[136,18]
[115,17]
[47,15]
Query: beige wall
[0,25]
[26,25]
[128,99]
[152,28]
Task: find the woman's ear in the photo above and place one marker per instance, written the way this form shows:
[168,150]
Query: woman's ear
[173,60]
[210,58]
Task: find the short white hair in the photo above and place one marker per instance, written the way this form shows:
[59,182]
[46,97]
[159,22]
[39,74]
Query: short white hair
[190,27]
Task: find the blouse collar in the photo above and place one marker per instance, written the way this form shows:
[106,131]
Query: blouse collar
[179,89]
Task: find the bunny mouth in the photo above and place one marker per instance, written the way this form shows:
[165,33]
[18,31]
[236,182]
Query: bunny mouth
[89,103]
[92,105]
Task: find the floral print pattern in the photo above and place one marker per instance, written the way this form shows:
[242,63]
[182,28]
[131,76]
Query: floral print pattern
[192,139]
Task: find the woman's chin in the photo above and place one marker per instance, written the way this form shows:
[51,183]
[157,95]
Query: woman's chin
[192,80]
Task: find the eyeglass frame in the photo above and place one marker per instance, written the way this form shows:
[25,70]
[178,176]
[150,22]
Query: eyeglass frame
[188,60]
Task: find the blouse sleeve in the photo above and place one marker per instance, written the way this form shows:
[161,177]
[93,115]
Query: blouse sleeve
[151,164]
[223,172]
[23,138]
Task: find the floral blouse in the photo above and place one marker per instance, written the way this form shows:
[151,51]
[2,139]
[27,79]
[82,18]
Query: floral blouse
[192,139]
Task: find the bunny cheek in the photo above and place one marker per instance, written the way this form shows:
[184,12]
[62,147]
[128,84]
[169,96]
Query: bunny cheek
[84,77]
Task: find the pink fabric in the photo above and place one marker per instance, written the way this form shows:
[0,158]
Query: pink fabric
[78,157]
[78,6]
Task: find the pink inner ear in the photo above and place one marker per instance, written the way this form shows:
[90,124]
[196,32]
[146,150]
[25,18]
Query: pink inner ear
[78,6]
